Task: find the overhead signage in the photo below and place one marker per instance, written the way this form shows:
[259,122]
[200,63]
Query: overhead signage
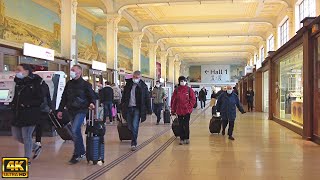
[248,69]
[99,66]
[215,73]
[38,52]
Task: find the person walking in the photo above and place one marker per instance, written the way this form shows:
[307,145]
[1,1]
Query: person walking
[250,97]
[203,97]
[182,102]
[45,108]
[158,95]
[117,95]
[226,105]
[26,106]
[135,104]
[77,97]
[106,98]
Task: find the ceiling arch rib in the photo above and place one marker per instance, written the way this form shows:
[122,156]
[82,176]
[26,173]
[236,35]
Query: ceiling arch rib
[123,5]
[254,46]
[221,21]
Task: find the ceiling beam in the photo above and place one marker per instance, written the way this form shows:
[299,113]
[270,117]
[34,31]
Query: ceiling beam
[268,22]
[122,5]
[213,45]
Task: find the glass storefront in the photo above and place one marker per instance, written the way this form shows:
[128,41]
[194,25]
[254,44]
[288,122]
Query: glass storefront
[290,87]
[266,91]
[317,90]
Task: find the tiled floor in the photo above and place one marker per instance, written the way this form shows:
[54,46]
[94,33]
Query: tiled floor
[262,150]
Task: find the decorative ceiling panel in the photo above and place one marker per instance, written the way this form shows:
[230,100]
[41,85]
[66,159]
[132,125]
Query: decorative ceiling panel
[140,14]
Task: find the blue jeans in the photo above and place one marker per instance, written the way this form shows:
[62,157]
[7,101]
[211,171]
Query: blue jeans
[77,121]
[107,110]
[157,111]
[133,119]
[24,136]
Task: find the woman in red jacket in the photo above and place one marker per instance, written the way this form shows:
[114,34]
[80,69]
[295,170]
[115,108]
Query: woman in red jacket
[182,102]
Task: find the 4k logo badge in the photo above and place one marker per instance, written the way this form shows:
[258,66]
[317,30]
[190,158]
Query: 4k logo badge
[15,167]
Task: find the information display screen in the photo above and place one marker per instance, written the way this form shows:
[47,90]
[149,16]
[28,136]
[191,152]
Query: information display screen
[4,94]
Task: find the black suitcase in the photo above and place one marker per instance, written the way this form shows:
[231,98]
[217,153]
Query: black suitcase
[215,124]
[166,114]
[175,127]
[95,138]
[63,130]
[123,130]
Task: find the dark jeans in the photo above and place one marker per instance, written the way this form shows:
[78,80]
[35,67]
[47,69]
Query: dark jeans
[116,104]
[184,126]
[250,105]
[77,121]
[133,119]
[203,103]
[39,126]
[107,110]
[157,111]
[231,126]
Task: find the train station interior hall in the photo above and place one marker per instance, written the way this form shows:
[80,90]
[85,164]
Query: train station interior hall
[251,66]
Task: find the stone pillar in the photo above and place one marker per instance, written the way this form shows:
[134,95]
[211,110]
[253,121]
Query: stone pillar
[177,65]
[317,8]
[171,60]
[292,31]
[153,60]
[163,60]
[275,36]
[68,30]
[136,47]
[112,44]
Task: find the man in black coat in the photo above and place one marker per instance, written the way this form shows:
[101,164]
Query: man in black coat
[250,97]
[135,105]
[106,97]
[77,96]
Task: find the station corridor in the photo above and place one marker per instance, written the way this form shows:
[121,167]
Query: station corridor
[263,149]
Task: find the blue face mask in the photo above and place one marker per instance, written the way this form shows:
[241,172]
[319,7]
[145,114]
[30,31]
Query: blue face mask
[19,75]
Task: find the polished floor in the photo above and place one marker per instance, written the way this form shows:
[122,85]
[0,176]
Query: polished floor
[262,150]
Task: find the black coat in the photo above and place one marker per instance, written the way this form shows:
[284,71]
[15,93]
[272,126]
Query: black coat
[77,96]
[250,95]
[27,99]
[142,99]
[106,94]
[202,95]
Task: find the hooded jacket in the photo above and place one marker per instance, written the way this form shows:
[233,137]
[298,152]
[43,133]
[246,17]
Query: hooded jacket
[227,104]
[27,99]
[182,101]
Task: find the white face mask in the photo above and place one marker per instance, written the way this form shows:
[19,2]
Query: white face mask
[20,75]
[136,81]
[229,91]
[73,74]
[183,83]
[157,85]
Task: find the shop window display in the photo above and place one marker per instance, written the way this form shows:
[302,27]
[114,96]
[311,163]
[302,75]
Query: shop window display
[317,89]
[290,90]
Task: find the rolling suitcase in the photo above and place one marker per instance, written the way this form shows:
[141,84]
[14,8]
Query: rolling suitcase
[215,124]
[166,114]
[95,138]
[123,130]
[63,130]
[175,127]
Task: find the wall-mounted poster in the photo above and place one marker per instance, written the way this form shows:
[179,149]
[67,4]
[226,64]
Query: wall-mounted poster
[158,70]
[215,73]
[125,57]
[29,22]
[236,72]
[195,73]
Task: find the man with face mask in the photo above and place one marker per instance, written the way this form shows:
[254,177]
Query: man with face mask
[158,95]
[226,105]
[135,104]
[77,96]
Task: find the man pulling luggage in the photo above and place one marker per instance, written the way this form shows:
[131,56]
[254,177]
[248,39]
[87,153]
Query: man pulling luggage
[77,96]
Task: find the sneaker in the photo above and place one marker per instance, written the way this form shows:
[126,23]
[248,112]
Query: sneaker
[223,133]
[133,148]
[231,138]
[187,141]
[37,152]
[181,142]
[157,123]
[75,159]
[29,163]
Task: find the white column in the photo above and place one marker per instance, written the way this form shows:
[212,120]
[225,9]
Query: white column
[163,60]
[171,60]
[153,60]
[292,29]
[177,65]
[68,30]
[317,8]
[112,44]
[136,47]
[275,35]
